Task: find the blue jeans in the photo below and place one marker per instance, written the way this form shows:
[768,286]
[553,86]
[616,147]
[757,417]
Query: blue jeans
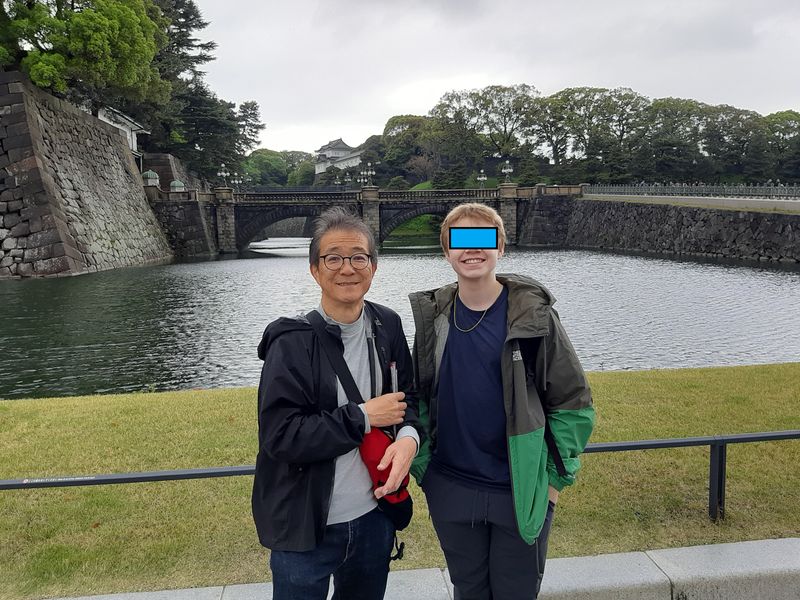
[356,553]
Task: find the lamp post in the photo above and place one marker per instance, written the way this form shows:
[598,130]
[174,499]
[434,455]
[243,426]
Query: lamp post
[367,174]
[237,180]
[481,178]
[507,170]
[224,173]
[347,179]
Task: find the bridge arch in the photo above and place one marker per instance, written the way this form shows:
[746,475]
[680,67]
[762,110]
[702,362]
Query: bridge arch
[398,218]
[249,222]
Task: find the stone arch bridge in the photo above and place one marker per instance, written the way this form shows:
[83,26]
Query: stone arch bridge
[226,222]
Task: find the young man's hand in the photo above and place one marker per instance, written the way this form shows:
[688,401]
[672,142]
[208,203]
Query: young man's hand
[399,455]
[552,494]
[386,410]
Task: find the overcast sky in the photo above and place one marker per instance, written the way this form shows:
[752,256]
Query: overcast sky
[321,70]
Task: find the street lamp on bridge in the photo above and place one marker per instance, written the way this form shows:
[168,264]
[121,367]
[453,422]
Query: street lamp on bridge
[481,178]
[224,173]
[507,170]
[366,174]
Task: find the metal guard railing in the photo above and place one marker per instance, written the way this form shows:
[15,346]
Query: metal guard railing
[716,476]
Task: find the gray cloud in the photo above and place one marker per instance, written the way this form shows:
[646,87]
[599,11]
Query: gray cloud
[322,70]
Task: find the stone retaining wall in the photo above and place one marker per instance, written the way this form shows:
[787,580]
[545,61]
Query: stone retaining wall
[71,197]
[661,229]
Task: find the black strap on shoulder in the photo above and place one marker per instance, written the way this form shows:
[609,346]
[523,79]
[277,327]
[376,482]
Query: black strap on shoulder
[335,357]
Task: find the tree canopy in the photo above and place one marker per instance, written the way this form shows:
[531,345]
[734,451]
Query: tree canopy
[140,56]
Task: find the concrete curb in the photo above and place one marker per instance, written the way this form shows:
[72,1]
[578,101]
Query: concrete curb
[739,571]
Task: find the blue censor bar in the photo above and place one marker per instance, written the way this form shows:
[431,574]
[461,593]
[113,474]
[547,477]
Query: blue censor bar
[473,238]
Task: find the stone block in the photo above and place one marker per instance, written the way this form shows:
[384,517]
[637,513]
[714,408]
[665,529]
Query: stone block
[760,569]
[4,233]
[43,238]
[16,253]
[25,269]
[6,261]
[51,266]
[37,254]
[18,141]
[10,219]
[21,229]
[9,243]
[12,99]
[626,576]
[18,154]
[15,205]
[35,224]
[17,129]
[48,221]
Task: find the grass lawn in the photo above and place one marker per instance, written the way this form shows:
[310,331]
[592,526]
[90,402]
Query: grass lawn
[102,539]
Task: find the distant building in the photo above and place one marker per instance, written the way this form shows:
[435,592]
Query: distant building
[127,125]
[336,154]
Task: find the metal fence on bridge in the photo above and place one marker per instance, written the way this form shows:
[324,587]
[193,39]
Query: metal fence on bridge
[777,192]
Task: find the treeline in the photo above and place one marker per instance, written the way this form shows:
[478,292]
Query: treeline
[582,134]
[142,57]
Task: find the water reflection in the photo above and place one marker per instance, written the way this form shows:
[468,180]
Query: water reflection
[198,324]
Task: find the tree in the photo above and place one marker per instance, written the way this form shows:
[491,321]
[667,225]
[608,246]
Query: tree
[547,122]
[208,132]
[727,133]
[266,167]
[496,111]
[184,52]
[398,183]
[583,106]
[294,158]
[93,53]
[302,175]
[403,139]
[249,117]
[783,135]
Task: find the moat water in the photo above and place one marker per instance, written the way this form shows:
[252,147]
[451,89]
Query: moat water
[197,325]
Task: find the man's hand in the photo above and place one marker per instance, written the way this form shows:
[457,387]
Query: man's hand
[399,455]
[552,494]
[386,410]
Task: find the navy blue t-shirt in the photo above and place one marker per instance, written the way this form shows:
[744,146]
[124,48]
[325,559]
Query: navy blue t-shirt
[471,442]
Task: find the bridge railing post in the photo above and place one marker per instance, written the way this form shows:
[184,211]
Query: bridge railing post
[226,220]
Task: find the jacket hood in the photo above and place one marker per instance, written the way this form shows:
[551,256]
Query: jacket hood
[278,327]
[529,303]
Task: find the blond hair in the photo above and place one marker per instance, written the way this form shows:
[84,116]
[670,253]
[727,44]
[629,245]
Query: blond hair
[476,211]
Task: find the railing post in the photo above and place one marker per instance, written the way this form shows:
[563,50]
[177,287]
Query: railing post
[716,481]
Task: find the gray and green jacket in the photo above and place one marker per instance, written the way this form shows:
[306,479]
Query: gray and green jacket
[542,379]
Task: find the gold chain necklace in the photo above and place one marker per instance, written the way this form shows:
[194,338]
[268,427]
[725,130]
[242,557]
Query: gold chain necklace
[455,302]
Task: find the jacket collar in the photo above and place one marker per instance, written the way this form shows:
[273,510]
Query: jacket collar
[528,304]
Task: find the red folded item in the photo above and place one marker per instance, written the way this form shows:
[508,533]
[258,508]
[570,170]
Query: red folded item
[397,505]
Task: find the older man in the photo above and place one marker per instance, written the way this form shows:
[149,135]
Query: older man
[313,500]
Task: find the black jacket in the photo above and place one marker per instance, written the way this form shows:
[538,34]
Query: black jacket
[301,428]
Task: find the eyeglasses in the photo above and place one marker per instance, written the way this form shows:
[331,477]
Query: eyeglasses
[335,261]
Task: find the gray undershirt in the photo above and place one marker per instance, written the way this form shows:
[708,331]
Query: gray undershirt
[352,494]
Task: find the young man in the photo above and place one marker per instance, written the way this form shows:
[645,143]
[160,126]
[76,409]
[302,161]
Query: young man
[313,502]
[495,371]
